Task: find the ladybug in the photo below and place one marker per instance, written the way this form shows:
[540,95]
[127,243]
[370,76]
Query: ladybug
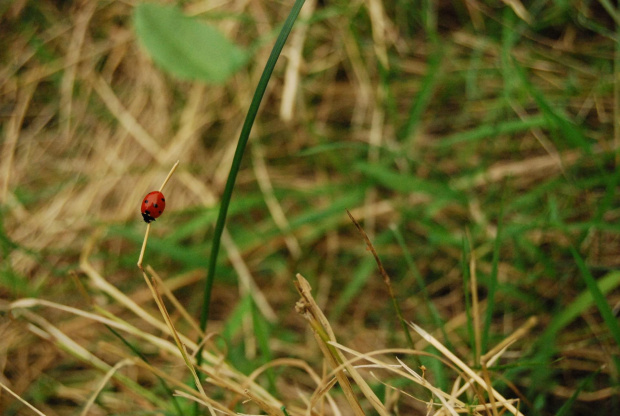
[153,205]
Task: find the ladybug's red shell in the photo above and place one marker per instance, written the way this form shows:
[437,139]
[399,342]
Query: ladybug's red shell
[153,205]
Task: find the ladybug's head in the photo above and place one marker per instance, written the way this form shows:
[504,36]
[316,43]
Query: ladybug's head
[147,217]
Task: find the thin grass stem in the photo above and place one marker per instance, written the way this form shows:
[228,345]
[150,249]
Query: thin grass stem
[386,280]
[161,188]
[236,163]
[146,237]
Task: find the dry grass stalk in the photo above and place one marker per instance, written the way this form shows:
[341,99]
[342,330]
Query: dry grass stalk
[153,286]
[294,53]
[220,374]
[211,404]
[324,336]
[475,306]
[18,397]
[175,302]
[103,382]
[465,368]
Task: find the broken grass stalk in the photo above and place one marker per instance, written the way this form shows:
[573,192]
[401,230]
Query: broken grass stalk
[308,308]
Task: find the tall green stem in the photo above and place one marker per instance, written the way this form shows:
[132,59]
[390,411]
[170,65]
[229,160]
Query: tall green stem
[234,169]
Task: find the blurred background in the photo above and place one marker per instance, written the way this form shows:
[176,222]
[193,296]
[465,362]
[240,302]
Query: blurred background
[451,130]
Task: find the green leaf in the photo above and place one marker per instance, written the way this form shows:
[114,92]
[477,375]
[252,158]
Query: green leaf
[184,46]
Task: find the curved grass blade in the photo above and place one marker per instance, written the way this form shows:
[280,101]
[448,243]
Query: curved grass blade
[236,163]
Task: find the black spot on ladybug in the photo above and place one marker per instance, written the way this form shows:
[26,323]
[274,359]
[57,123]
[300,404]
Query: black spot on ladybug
[163,199]
[155,205]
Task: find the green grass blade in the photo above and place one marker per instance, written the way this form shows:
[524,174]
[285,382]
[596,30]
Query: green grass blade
[567,406]
[353,288]
[407,182]
[492,287]
[262,332]
[236,163]
[491,130]
[557,118]
[585,300]
[597,296]
[423,98]
[546,345]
